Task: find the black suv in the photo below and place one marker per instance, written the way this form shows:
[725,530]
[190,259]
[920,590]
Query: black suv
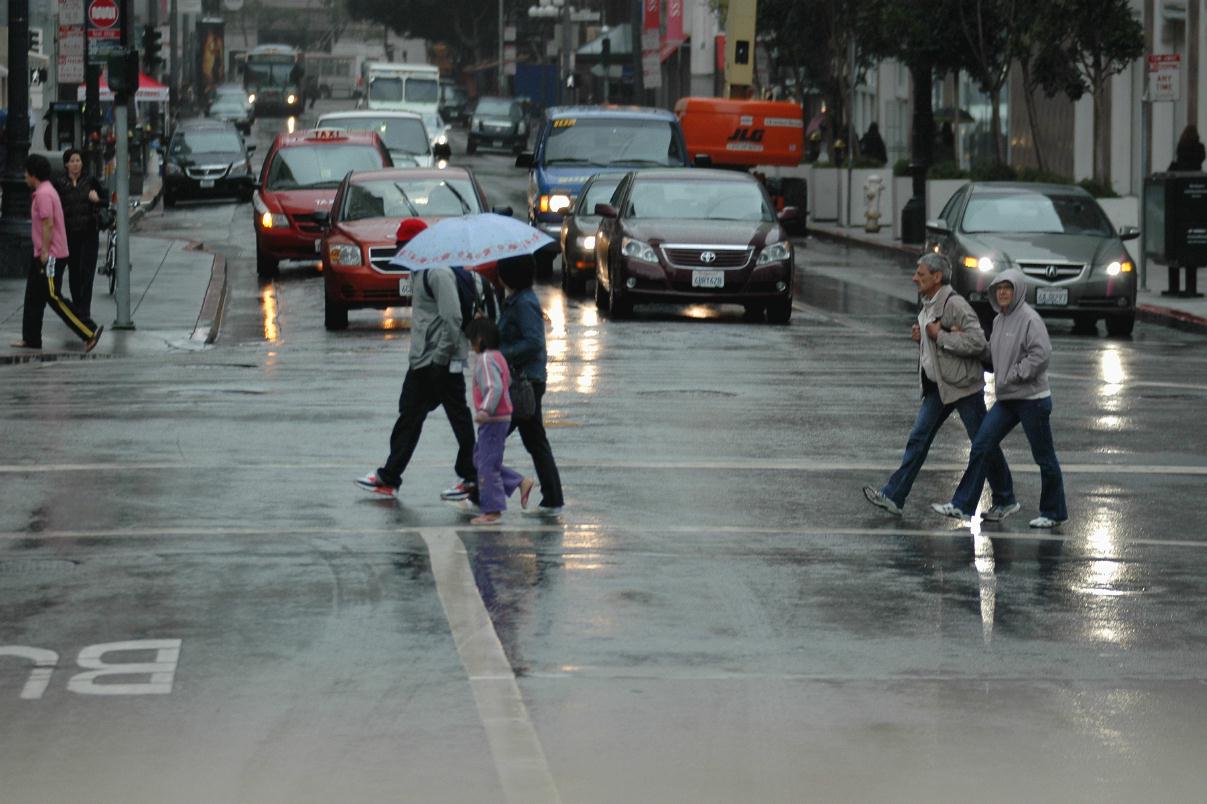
[207,159]
[498,123]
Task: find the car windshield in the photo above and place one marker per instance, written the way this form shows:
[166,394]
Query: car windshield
[228,105]
[404,134]
[496,107]
[422,90]
[385,88]
[205,142]
[605,141]
[698,200]
[600,192]
[409,197]
[319,166]
[268,74]
[1035,213]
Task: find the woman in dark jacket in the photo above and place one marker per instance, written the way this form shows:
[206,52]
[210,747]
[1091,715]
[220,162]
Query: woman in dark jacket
[1190,151]
[522,342]
[82,195]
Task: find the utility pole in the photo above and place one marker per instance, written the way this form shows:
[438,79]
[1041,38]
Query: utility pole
[173,63]
[500,71]
[121,121]
[16,247]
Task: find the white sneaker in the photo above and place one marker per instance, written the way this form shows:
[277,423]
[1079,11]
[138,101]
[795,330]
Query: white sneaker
[371,484]
[458,491]
[1044,522]
[876,497]
[947,509]
[997,513]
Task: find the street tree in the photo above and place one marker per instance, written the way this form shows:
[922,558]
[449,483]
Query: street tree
[1043,62]
[459,23]
[992,30]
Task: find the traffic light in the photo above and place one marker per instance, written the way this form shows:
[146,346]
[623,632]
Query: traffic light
[152,46]
[123,72]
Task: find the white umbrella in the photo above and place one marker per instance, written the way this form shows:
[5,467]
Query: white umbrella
[470,240]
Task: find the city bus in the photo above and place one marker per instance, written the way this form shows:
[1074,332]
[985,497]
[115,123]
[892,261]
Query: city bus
[400,87]
[274,78]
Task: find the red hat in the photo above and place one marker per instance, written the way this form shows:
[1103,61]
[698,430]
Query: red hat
[408,229]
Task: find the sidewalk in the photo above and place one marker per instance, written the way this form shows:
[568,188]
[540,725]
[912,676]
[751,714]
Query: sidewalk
[176,298]
[1151,306]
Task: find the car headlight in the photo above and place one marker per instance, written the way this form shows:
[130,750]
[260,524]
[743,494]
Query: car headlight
[239,169]
[442,140]
[1119,267]
[251,98]
[984,264]
[291,99]
[267,219]
[171,169]
[344,254]
[776,252]
[638,250]
[586,243]
[558,202]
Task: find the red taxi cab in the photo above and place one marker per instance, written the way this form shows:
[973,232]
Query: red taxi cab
[297,184]
[362,233]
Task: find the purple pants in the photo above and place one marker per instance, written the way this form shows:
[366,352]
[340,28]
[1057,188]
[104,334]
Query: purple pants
[495,481]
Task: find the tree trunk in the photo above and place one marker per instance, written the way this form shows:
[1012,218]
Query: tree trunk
[995,99]
[1029,100]
[1102,159]
[923,146]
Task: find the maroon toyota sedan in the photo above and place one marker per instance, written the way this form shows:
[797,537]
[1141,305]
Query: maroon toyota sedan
[693,236]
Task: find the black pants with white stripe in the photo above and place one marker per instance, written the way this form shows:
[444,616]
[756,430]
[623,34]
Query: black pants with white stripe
[43,287]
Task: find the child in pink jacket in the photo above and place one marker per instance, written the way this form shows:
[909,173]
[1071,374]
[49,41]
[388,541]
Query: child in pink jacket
[492,412]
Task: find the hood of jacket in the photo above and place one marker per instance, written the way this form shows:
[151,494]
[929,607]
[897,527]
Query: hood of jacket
[1016,278]
[1020,346]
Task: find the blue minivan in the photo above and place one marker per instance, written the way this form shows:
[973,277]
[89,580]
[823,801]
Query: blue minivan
[574,143]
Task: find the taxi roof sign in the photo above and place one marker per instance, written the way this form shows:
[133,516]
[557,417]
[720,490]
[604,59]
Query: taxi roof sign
[327,134]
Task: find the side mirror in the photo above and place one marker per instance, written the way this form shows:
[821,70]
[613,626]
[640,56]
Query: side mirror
[506,212]
[938,225]
[702,160]
[788,214]
[442,150]
[606,211]
[1128,232]
[523,160]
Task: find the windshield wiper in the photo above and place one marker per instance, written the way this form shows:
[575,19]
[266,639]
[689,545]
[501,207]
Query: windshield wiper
[626,161]
[569,160]
[406,199]
[465,207]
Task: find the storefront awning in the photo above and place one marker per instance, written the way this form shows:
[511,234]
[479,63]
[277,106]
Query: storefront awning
[149,90]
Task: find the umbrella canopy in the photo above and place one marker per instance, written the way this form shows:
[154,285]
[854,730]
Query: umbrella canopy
[470,240]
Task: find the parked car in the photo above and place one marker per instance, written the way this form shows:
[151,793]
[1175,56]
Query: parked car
[1057,235]
[693,236]
[297,185]
[578,232]
[454,102]
[207,159]
[497,123]
[404,134]
[360,233]
[230,102]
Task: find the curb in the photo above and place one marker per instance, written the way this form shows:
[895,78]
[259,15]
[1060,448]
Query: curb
[1148,313]
[209,321]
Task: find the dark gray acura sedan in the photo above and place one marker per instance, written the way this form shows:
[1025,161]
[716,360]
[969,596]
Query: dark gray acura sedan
[1057,235]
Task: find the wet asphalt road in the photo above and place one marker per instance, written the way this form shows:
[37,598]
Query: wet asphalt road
[718,615]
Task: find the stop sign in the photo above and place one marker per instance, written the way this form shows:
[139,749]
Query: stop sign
[102,13]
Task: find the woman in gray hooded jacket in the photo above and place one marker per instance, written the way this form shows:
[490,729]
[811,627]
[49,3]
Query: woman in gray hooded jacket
[1020,349]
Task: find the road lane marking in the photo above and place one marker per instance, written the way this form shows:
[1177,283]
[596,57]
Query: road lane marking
[517,752]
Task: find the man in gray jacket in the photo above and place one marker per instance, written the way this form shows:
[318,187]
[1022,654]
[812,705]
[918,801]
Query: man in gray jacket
[950,341]
[1020,349]
[435,377]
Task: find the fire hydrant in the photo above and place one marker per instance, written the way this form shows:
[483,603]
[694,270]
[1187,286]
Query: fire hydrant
[873,186]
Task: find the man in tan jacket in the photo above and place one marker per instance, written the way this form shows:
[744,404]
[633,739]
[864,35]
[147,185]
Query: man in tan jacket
[950,341]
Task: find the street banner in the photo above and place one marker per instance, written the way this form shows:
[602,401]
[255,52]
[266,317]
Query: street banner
[1164,76]
[103,23]
[674,21]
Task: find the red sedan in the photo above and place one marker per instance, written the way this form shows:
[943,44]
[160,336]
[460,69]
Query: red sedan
[361,237]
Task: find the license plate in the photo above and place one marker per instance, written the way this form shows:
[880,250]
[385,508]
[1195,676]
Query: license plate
[404,286]
[498,143]
[207,184]
[708,279]
[1053,297]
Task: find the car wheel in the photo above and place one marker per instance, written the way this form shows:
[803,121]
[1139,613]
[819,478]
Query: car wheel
[576,284]
[1121,326]
[266,267]
[619,304]
[471,146]
[335,315]
[601,295]
[779,311]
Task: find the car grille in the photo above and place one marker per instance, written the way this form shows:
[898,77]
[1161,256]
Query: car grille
[1052,271]
[380,257]
[497,128]
[307,224]
[206,171]
[714,257]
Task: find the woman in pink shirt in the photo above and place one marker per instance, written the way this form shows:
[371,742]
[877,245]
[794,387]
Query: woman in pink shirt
[44,283]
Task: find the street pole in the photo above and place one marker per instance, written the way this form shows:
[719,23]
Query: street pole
[16,246]
[635,30]
[566,52]
[850,122]
[1145,167]
[174,66]
[121,111]
[500,71]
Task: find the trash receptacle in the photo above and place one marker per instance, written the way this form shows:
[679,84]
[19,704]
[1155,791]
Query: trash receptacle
[1175,226]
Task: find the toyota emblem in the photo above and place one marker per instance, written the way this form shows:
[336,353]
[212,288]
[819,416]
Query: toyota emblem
[708,257]
[1052,272]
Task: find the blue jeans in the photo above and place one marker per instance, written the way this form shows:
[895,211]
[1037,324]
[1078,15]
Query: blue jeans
[931,416]
[1001,419]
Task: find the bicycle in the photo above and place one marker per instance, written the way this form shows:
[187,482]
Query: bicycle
[109,266]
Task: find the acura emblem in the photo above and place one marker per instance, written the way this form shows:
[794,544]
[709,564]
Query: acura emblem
[1052,272]
[708,257]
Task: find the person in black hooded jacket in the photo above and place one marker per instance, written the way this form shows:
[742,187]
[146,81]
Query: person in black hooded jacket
[82,195]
